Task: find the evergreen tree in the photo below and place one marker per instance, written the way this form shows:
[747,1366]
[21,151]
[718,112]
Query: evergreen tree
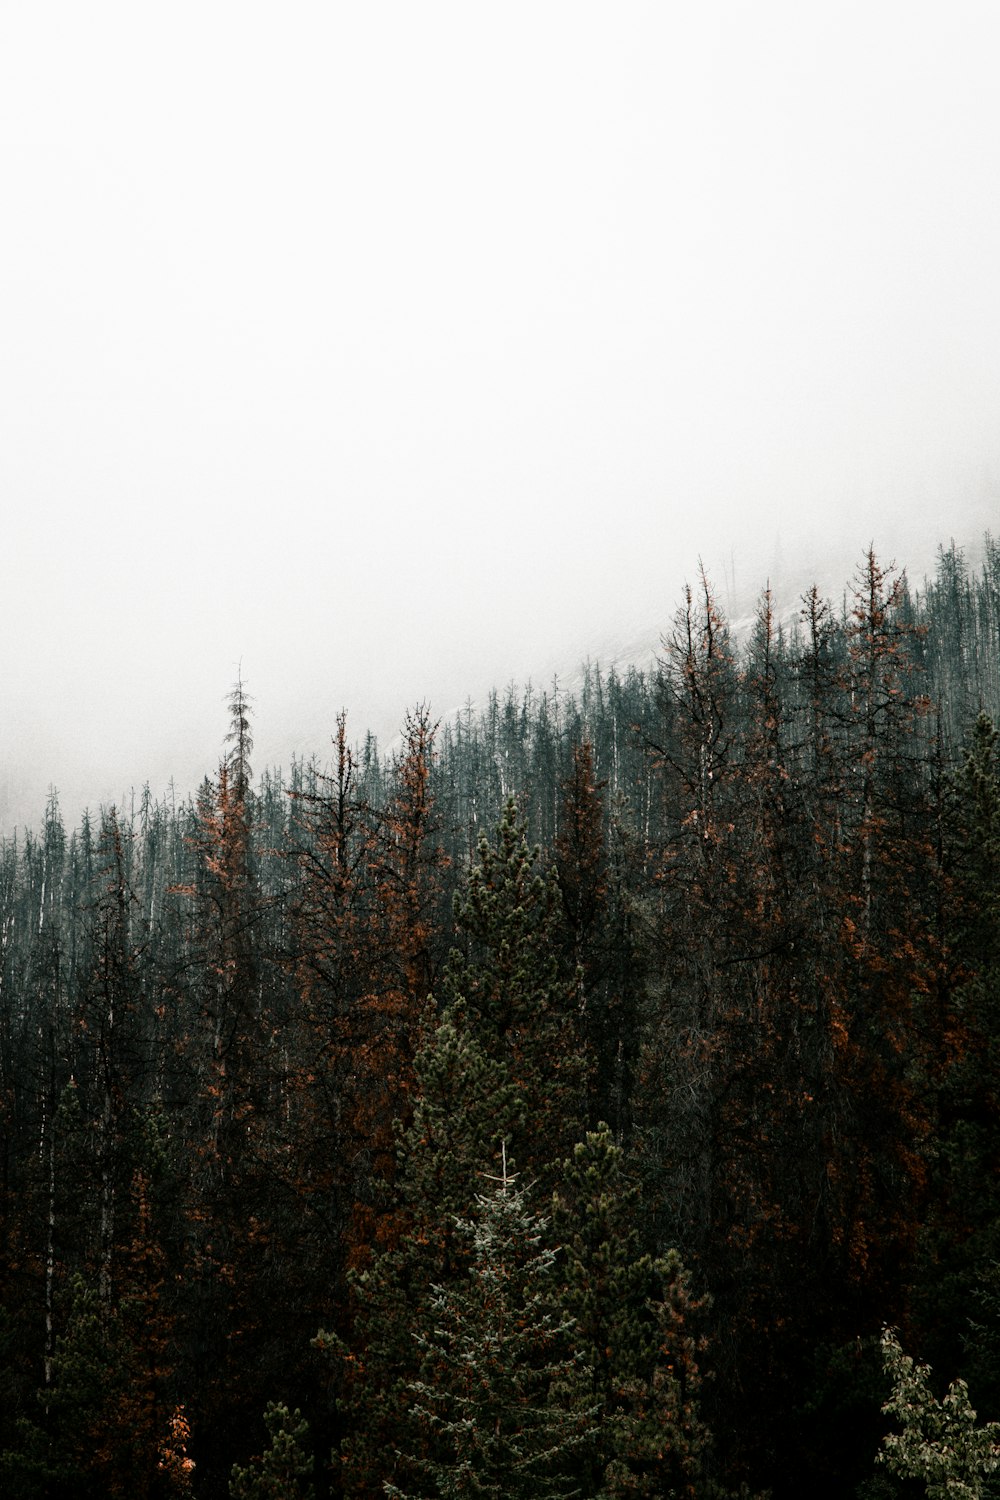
[633,1317]
[498,1395]
[762,896]
[524,1011]
[229,997]
[109,1434]
[465,1107]
[960,1239]
[282,1471]
[406,864]
[595,922]
[111,1055]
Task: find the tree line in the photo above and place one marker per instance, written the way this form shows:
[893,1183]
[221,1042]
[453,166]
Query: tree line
[562,1105]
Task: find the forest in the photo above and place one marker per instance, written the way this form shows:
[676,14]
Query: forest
[597,1096]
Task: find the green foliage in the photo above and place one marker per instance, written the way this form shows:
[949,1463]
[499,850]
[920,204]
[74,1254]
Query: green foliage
[283,1471]
[960,1239]
[940,1441]
[500,1398]
[465,1107]
[89,1433]
[523,1010]
[28,1469]
[83,1399]
[633,1315]
[978,819]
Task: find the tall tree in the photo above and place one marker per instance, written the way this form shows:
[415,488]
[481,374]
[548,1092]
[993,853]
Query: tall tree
[634,1333]
[597,928]
[465,1107]
[525,1011]
[499,1393]
[225,994]
[955,1303]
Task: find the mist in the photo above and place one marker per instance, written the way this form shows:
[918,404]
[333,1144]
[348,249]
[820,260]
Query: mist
[384,353]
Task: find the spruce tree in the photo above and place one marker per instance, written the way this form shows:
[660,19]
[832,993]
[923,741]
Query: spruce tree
[597,942]
[633,1316]
[282,1471]
[523,1008]
[499,1401]
[955,1295]
[465,1107]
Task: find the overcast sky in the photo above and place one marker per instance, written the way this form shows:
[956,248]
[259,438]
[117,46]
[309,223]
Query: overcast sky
[394,349]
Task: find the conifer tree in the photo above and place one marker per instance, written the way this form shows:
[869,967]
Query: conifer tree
[112,1061]
[226,989]
[331,955]
[686,921]
[634,1333]
[104,1413]
[498,1399]
[523,1010]
[282,1471]
[406,863]
[890,951]
[960,1239]
[465,1107]
[883,787]
[596,922]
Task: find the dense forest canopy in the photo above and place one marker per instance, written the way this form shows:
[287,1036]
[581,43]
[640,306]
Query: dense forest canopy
[561,1105]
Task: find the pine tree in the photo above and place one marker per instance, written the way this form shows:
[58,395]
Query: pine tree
[110,1022]
[523,1010]
[599,949]
[633,1317]
[498,1393]
[685,917]
[226,989]
[282,1471]
[332,955]
[406,864]
[103,1411]
[960,1239]
[465,1107]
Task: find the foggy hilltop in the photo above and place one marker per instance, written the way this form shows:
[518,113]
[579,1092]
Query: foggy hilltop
[422,352]
[174,735]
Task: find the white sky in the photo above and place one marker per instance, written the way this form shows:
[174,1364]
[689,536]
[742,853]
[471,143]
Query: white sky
[397,349]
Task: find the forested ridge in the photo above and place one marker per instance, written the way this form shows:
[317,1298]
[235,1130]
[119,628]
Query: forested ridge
[562,1105]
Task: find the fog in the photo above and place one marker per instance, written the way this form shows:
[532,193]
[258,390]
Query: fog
[382,352]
